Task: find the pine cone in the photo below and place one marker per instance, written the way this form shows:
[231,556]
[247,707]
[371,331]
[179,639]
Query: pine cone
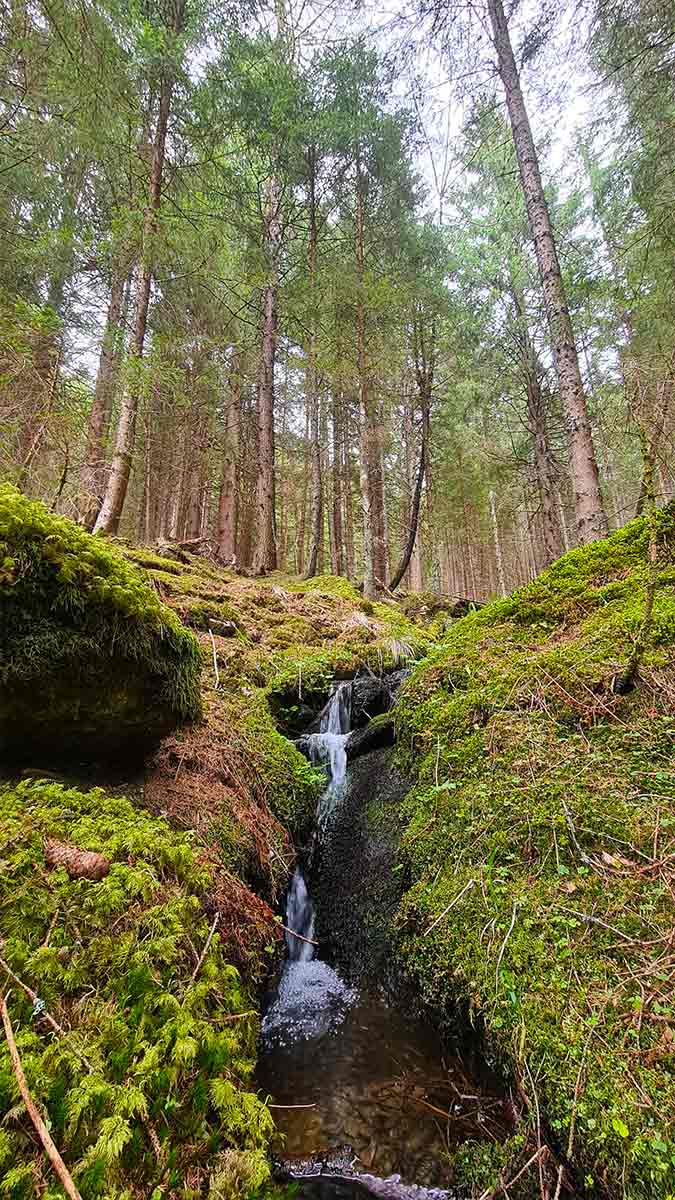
[80,864]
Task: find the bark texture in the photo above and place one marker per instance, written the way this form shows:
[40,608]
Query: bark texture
[590,515]
[265,553]
[110,513]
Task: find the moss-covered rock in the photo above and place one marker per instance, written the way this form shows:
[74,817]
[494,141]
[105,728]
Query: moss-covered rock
[146,1090]
[540,839]
[91,662]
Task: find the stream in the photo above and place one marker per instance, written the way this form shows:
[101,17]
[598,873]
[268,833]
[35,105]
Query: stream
[361,1087]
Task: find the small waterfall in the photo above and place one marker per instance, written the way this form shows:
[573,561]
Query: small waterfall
[312,999]
[300,919]
[328,748]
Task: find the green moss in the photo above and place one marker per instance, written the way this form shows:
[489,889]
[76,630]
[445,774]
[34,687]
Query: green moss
[148,1052]
[543,795]
[329,585]
[87,650]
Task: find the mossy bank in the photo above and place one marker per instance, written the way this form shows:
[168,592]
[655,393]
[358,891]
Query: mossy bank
[92,664]
[147,1084]
[540,842]
[152,974]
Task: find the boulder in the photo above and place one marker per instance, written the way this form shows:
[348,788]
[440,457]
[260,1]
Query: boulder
[93,666]
[377,734]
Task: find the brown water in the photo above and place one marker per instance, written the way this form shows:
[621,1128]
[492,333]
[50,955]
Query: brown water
[368,1076]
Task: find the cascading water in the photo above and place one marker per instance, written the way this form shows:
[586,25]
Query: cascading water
[327,748]
[311,998]
[299,920]
[343,1064]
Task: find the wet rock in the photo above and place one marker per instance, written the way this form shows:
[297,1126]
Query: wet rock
[355,887]
[376,735]
[311,1002]
[372,695]
[330,1175]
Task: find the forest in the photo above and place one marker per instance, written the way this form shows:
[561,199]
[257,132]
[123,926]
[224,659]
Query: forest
[337,600]
[283,281]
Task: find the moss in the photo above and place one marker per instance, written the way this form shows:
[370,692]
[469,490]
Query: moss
[147,1086]
[88,652]
[329,585]
[538,815]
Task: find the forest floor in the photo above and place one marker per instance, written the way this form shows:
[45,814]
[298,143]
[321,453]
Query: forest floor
[539,858]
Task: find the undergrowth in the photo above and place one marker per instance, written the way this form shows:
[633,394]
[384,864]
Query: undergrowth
[146,1089]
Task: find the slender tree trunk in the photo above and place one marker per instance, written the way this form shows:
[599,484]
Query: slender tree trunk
[93,473]
[497,545]
[108,518]
[382,541]
[265,554]
[302,519]
[424,357]
[337,549]
[312,389]
[347,492]
[226,534]
[47,359]
[590,515]
[412,534]
[368,430]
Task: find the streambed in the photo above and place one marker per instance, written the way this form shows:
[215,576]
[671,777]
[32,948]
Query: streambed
[352,1071]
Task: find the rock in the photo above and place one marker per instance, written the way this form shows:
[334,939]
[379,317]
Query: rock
[93,666]
[378,733]
[370,698]
[329,1175]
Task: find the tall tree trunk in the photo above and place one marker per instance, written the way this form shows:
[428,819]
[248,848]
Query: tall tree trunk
[590,515]
[370,468]
[226,534]
[302,517]
[536,409]
[265,553]
[347,490]
[424,356]
[497,545]
[108,518]
[412,534]
[312,389]
[92,476]
[337,549]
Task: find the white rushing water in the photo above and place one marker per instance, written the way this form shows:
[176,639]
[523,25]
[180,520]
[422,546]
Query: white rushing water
[312,999]
[328,748]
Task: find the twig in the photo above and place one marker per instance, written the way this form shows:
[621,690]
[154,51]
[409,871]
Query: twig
[215,660]
[585,858]
[505,1187]
[292,1105]
[50,931]
[597,921]
[42,1131]
[573,1118]
[46,1016]
[503,945]
[297,935]
[452,904]
[205,951]
[42,1013]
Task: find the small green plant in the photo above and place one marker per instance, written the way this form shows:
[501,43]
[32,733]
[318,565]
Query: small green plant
[148,1083]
